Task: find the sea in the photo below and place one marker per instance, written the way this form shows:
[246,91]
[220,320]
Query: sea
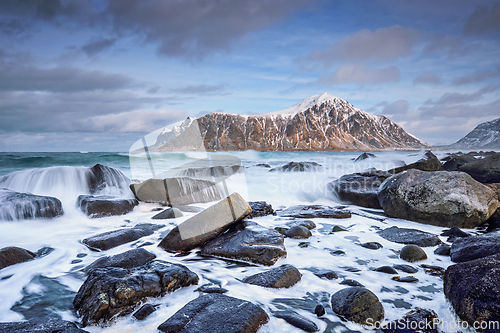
[46,286]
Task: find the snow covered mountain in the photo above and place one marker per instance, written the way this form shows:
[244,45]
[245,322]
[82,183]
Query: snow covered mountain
[320,122]
[484,136]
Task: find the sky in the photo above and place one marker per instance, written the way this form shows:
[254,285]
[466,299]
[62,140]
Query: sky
[98,75]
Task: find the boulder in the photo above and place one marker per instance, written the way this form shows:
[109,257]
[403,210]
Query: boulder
[364,156]
[326,274]
[359,305]
[298,167]
[260,208]
[360,188]
[177,191]
[100,176]
[169,213]
[43,325]
[144,311]
[443,250]
[424,321]
[412,253]
[129,259]
[20,206]
[111,239]
[314,211]
[386,270]
[455,162]
[283,276]
[427,163]
[298,232]
[319,310]
[473,290]
[109,292]
[486,170]
[474,247]
[409,236]
[297,320]
[216,313]
[302,223]
[248,241]
[14,255]
[206,225]
[454,233]
[447,199]
[101,206]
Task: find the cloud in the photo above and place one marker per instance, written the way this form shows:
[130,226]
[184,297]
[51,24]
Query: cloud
[202,89]
[477,76]
[361,75]
[483,20]
[456,98]
[98,45]
[452,46]
[427,78]
[382,44]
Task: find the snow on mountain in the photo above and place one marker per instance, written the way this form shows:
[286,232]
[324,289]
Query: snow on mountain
[484,136]
[319,122]
[169,133]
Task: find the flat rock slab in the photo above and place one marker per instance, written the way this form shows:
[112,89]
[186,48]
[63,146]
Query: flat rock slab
[14,255]
[21,206]
[283,276]
[216,313]
[108,292]
[314,211]
[131,258]
[358,304]
[206,225]
[473,290]
[409,236]
[248,241]
[475,247]
[101,206]
[46,325]
[486,170]
[111,239]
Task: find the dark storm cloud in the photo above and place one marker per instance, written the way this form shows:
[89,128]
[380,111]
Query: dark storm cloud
[98,45]
[483,20]
[477,76]
[427,78]
[202,89]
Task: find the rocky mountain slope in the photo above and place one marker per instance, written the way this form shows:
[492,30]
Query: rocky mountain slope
[484,136]
[320,122]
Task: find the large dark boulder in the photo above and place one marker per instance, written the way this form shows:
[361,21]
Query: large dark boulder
[359,305]
[447,199]
[298,167]
[216,313]
[457,161]
[101,206]
[427,163]
[248,241]
[14,255]
[314,211]
[409,236]
[206,225]
[486,170]
[412,253]
[283,276]
[111,239]
[19,206]
[360,188]
[473,290]
[422,320]
[474,247]
[129,259]
[101,176]
[260,208]
[108,292]
[45,325]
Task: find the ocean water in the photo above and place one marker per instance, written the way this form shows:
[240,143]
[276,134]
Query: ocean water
[46,286]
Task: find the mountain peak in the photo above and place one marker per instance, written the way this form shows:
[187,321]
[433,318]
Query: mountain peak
[305,104]
[484,136]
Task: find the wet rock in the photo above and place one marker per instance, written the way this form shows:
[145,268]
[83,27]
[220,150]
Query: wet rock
[473,290]
[372,245]
[360,188]
[412,253]
[248,241]
[298,232]
[303,223]
[131,258]
[212,289]
[319,310]
[297,320]
[260,208]
[177,191]
[101,176]
[283,276]
[474,247]
[169,213]
[314,211]
[427,163]
[433,270]
[358,304]
[43,325]
[454,233]
[298,167]
[20,206]
[409,236]
[206,225]
[386,269]
[263,165]
[486,170]
[406,279]
[406,268]
[352,283]
[108,292]
[326,274]
[418,318]
[144,311]
[111,239]
[455,162]
[338,228]
[443,250]
[216,313]
[447,199]
[281,230]
[14,255]
[101,206]
[304,244]
[364,156]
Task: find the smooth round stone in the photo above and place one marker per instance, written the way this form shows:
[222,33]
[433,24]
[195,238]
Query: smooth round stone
[319,310]
[412,253]
[386,269]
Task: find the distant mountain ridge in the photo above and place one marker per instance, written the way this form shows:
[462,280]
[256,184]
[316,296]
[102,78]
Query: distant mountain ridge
[320,122]
[484,136]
